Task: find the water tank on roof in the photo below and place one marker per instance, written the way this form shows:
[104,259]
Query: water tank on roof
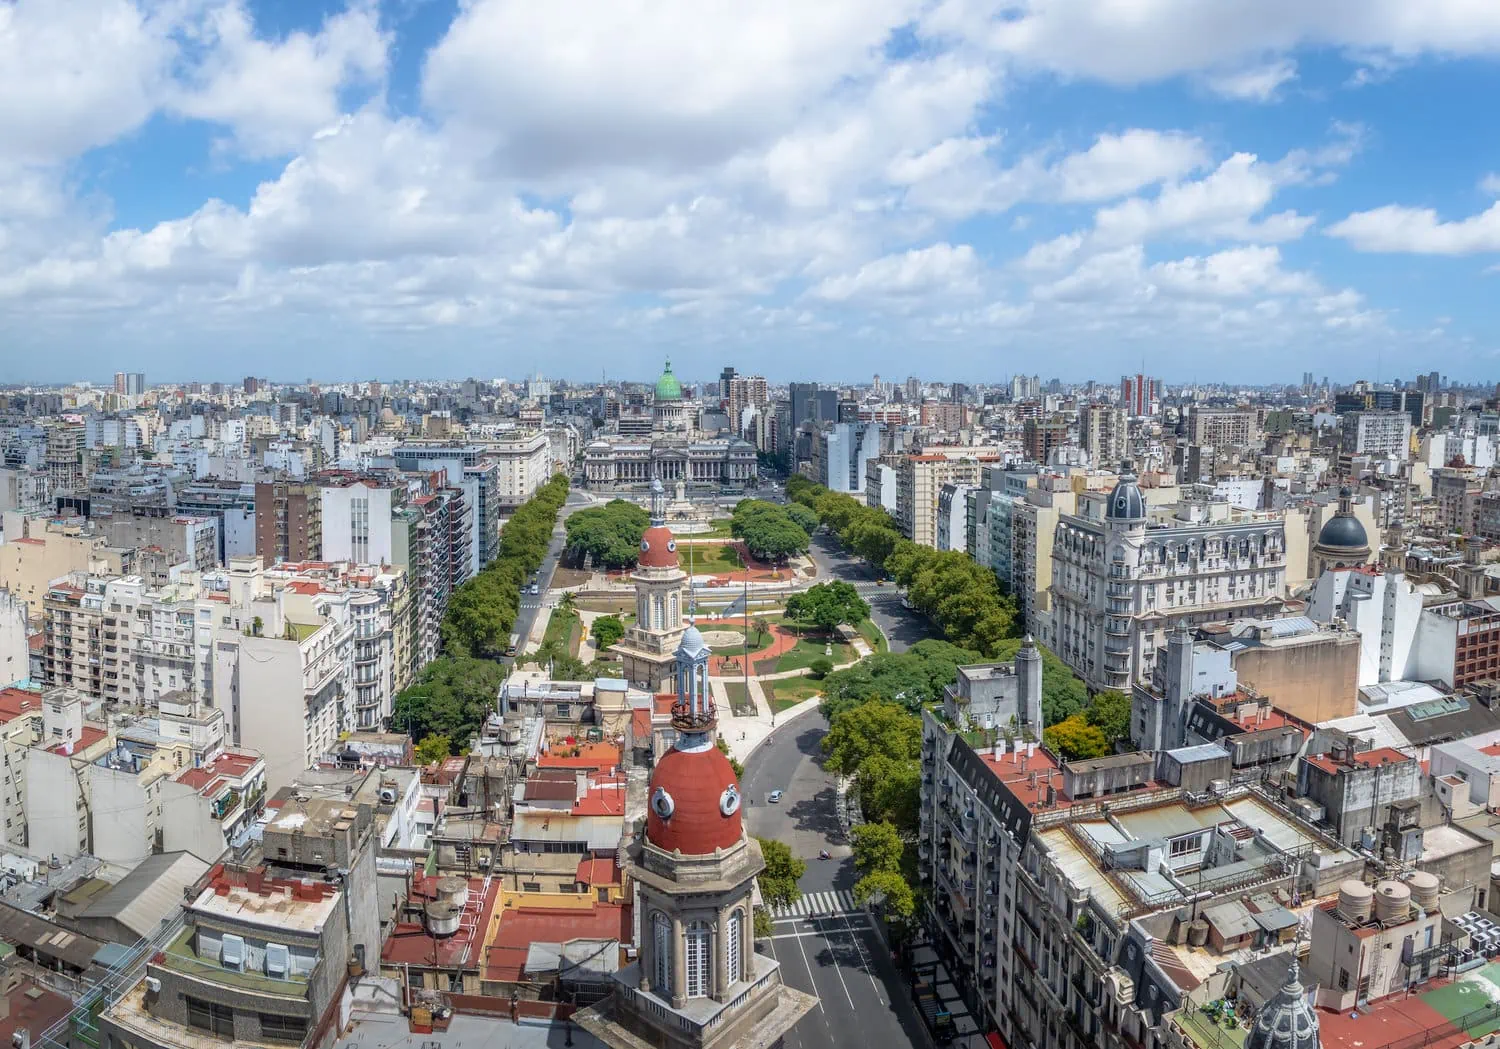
[454,890]
[1392,901]
[1198,933]
[1424,890]
[1356,900]
[442,918]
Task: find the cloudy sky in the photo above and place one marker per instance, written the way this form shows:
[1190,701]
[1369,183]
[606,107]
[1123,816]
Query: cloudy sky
[960,189]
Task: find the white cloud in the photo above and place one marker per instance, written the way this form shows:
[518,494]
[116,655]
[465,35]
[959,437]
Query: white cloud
[1222,205]
[939,269]
[1119,164]
[1490,184]
[274,94]
[1139,41]
[1258,83]
[1419,231]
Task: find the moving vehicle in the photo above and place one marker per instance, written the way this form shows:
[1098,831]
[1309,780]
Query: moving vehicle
[535,589]
[513,644]
[774,797]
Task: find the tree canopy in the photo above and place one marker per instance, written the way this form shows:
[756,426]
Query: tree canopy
[828,606]
[778,882]
[768,530]
[450,697]
[610,534]
[874,727]
[806,517]
[908,678]
[607,630]
[1074,739]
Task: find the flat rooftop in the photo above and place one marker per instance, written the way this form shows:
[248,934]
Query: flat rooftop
[257,898]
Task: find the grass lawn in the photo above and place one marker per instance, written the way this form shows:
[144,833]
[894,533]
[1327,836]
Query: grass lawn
[804,653]
[617,605]
[739,699]
[788,692]
[719,530]
[871,633]
[709,559]
[567,630]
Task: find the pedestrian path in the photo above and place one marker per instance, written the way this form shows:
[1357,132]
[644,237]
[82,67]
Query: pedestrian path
[819,903]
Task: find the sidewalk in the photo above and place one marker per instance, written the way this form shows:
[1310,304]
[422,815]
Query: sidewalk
[744,734]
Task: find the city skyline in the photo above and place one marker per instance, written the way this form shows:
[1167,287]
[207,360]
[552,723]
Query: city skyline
[445,190]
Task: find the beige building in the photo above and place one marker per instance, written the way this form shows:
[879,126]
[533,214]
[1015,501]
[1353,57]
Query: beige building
[1223,427]
[38,556]
[919,482]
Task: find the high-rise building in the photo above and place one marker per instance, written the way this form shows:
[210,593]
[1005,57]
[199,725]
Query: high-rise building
[913,390]
[65,444]
[1223,427]
[1042,436]
[1102,432]
[288,521]
[804,402]
[1139,395]
[840,453]
[251,384]
[120,383]
[919,484]
[726,380]
[1377,433]
[745,391]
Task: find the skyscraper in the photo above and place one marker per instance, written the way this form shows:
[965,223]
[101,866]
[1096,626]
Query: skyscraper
[1139,394]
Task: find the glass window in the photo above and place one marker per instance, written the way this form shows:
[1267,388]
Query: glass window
[661,950]
[212,1017]
[698,960]
[732,946]
[276,1028]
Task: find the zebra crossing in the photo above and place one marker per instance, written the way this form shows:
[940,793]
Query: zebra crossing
[840,901]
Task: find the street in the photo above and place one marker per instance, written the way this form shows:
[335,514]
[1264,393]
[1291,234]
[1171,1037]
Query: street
[835,952]
[902,628]
[531,606]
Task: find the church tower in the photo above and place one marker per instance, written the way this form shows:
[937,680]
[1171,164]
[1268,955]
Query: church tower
[698,982]
[661,596]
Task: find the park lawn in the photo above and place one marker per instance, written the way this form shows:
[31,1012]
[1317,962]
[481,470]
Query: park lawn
[720,529]
[708,559]
[739,699]
[807,650]
[788,692]
[615,605]
[565,629]
[871,633]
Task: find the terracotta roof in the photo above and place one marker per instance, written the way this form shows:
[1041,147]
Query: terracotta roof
[14,702]
[696,782]
[658,548]
[598,872]
[505,955]
[1367,759]
[602,756]
[86,739]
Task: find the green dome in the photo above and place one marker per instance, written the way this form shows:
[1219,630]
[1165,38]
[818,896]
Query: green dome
[667,387]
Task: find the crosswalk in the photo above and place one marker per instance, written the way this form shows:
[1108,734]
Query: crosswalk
[840,901]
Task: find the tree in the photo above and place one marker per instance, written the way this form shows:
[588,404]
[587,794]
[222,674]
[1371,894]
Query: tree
[567,605]
[433,749]
[909,678]
[890,890]
[774,537]
[778,882]
[890,791]
[828,606]
[762,627]
[873,727]
[806,518]
[820,667]
[1110,714]
[607,630]
[763,926]
[739,770]
[877,847]
[611,533]
[451,697]
[1076,740]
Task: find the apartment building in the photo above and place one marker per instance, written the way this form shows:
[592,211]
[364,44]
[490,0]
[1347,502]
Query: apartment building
[470,469]
[288,521]
[919,483]
[32,560]
[1033,531]
[523,464]
[1042,437]
[65,465]
[262,954]
[1059,891]
[1223,427]
[232,505]
[1376,434]
[1120,578]
[1103,432]
[841,452]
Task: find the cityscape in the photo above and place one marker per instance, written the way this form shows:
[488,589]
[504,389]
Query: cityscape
[869,524]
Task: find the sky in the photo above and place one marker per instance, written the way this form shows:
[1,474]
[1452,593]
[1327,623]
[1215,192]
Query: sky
[1211,190]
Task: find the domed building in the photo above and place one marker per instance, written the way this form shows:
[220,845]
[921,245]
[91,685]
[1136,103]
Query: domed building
[1286,1021]
[1342,542]
[661,594]
[698,982]
[668,411]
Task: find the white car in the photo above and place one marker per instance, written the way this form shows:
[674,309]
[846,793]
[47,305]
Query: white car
[774,797]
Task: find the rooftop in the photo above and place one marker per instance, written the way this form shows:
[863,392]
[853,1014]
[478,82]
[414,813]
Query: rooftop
[411,944]
[1367,759]
[257,897]
[505,955]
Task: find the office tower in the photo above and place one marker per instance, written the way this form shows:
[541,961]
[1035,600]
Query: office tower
[1139,394]
[726,380]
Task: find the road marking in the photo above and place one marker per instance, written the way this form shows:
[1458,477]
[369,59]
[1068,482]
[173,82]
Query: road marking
[808,965]
[829,903]
[864,961]
[824,933]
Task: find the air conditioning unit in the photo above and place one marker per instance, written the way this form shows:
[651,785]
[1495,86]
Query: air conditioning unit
[153,985]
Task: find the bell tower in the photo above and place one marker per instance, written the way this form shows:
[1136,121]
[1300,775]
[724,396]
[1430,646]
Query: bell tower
[661,596]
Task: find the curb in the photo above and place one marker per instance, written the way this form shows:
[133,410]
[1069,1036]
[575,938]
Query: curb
[789,717]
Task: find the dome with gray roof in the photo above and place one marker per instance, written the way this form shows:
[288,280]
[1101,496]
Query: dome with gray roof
[1287,1021]
[1126,502]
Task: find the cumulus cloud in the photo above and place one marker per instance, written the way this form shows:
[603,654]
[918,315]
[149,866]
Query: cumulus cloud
[1419,231]
[939,269]
[1259,83]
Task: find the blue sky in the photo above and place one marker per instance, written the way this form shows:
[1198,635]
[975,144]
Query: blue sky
[960,189]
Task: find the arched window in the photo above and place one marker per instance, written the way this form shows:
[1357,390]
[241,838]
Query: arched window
[699,961]
[675,615]
[732,947]
[661,951]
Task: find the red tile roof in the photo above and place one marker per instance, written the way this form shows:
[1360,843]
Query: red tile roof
[640,725]
[602,756]
[1368,759]
[410,944]
[86,739]
[14,702]
[598,872]
[505,957]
